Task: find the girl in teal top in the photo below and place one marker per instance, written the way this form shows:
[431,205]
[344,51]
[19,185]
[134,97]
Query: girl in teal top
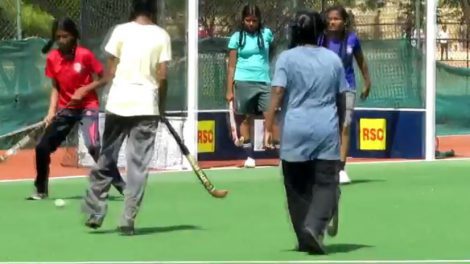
[248,76]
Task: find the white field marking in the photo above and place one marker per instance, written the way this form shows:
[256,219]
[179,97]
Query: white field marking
[450,136]
[256,262]
[50,179]
[405,161]
[258,167]
[390,109]
[356,108]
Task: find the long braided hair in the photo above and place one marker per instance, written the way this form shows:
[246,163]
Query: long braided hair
[345,34]
[251,10]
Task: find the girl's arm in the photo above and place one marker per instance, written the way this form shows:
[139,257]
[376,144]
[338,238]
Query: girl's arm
[232,62]
[112,64]
[99,81]
[162,73]
[52,103]
[81,92]
[362,63]
[276,100]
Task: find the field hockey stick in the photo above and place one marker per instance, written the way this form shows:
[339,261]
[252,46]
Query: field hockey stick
[233,125]
[201,175]
[26,139]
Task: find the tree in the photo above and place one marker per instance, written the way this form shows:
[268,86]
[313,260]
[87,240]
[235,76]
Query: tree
[7,19]
[34,21]
[69,8]
[464,5]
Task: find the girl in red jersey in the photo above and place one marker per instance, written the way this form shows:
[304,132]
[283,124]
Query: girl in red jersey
[72,69]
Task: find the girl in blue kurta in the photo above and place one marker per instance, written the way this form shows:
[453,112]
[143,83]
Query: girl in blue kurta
[308,85]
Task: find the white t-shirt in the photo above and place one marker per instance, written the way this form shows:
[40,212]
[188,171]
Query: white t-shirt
[140,48]
[443,36]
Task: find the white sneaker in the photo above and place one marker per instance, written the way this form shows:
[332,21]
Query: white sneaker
[344,178]
[250,163]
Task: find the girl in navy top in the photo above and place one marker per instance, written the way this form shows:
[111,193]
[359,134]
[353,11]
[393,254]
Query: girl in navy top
[346,44]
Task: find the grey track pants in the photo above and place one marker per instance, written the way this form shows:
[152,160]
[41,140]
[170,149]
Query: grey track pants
[140,132]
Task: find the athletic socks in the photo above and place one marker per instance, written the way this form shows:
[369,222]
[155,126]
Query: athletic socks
[248,148]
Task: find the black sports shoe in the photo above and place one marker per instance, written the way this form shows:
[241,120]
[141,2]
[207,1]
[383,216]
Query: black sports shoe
[94,221]
[126,230]
[332,229]
[315,242]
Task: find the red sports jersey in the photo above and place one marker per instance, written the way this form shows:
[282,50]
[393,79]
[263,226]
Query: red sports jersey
[73,74]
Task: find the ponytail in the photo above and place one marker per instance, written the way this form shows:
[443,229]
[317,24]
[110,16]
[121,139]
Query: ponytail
[47,47]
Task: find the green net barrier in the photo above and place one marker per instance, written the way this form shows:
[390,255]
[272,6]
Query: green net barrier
[24,91]
[452,99]
[396,69]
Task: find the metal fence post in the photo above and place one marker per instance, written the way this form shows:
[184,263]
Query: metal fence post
[18,19]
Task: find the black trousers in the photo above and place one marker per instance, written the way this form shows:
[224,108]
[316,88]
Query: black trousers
[56,133]
[312,190]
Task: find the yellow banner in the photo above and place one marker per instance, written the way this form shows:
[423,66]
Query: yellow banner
[372,134]
[206,136]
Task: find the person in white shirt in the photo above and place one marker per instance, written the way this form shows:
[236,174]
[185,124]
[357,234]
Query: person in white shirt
[139,51]
[443,38]
[418,37]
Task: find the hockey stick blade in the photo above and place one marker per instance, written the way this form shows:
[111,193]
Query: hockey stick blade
[201,175]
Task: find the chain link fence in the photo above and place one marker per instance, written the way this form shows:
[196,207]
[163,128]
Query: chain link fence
[219,17]
[99,16]
[8,19]
[395,67]
[453,44]
[70,8]
[386,28]
[370,19]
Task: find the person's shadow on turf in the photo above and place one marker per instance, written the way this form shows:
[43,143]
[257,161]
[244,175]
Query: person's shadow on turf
[363,181]
[344,248]
[340,248]
[110,198]
[152,230]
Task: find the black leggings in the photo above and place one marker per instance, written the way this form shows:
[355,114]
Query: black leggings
[312,194]
[56,133]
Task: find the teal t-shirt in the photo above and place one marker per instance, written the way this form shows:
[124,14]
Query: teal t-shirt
[252,62]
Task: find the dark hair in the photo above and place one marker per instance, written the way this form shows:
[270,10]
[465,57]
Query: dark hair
[306,28]
[345,34]
[342,12]
[65,24]
[250,10]
[143,7]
